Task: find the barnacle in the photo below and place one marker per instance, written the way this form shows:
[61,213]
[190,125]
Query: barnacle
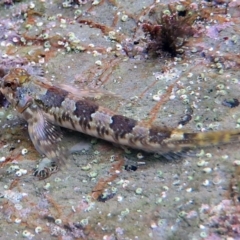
[169,31]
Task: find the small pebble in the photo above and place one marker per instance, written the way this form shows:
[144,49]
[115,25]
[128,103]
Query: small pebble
[112,35]
[153,225]
[234,80]
[207,170]
[159,200]
[84,222]
[236,163]
[206,183]
[39,24]
[13,168]
[47,186]
[119,198]
[225,157]
[23,171]
[125,212]
[185,119]
[92,174]
[95,2]
[190,75]
[9,117]
[18,220]
[2,159]
[194,50]
[73,209]
[31,5]
[231,103]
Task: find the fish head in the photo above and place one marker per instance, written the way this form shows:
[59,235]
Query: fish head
[12,81]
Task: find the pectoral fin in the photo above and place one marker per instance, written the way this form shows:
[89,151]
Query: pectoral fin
[46,138]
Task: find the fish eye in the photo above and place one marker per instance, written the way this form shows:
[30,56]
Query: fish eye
[7,84]
[11,85]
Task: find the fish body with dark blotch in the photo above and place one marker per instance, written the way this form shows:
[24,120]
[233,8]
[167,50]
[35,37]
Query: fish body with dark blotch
[46,107]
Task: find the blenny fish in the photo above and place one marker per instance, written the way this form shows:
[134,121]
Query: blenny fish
[46,107]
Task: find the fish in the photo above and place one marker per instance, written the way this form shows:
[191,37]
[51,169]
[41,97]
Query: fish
[46,107]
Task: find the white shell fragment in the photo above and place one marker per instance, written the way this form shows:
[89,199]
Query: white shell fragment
[21,172]
[24,151]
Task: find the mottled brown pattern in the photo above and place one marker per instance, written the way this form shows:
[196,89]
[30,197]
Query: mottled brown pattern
[157,135]
[83,111]
[57,107]
[101,131]
[53,97]
[136,138]
[67,118]
[122,125]
[60,119]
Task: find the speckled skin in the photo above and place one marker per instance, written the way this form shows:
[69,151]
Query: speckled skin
[45,107]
